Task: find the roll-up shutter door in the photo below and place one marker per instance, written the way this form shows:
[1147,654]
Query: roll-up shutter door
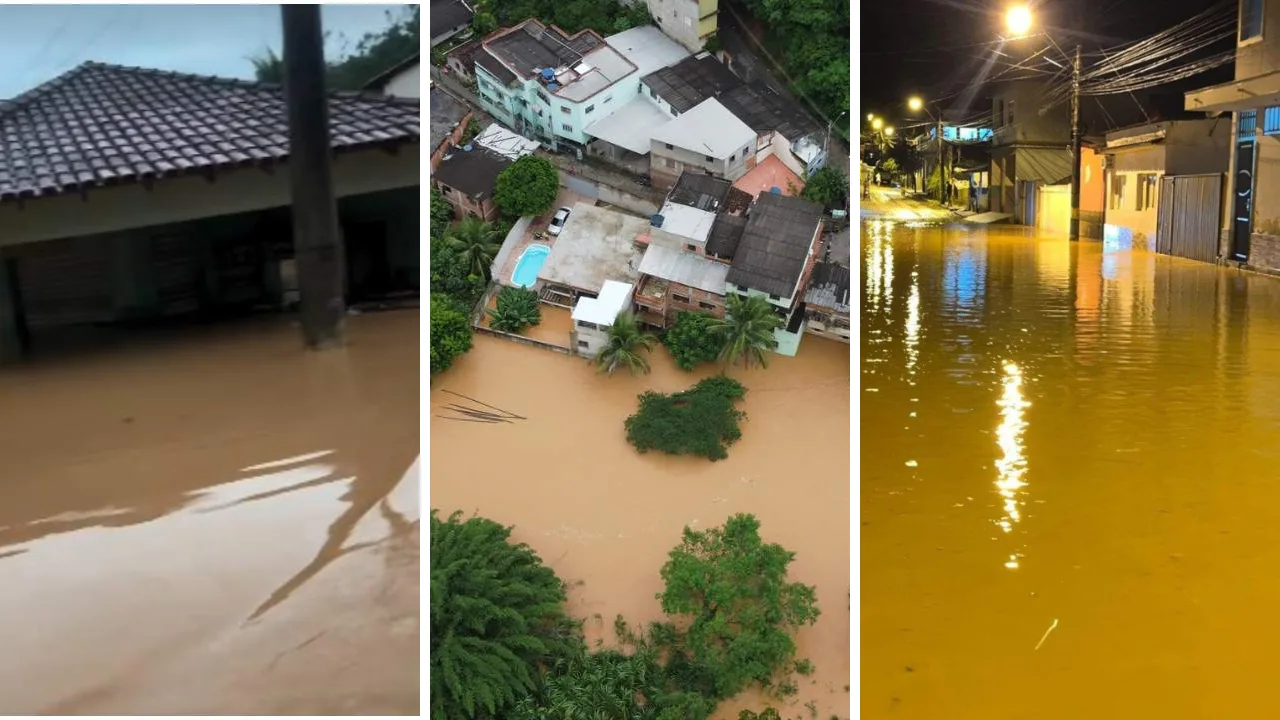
[66,282]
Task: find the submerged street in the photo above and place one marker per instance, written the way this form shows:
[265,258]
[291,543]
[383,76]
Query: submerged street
[1068,479]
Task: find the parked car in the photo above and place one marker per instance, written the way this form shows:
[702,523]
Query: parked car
[557,222]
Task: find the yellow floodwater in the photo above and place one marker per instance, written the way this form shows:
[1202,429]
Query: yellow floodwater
[1068,480]
[605,517]
[213,521]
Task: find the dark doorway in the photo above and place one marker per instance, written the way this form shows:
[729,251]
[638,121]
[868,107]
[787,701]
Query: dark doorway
[1242,226]
[368,261]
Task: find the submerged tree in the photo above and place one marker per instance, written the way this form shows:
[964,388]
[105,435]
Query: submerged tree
[517,309]
[497,618]
[746,332]
[626,344]
[477,243]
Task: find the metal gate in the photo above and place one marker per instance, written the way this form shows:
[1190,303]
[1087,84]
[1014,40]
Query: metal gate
[66,282]
[1189,218]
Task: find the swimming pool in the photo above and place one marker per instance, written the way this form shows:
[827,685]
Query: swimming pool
[527,267]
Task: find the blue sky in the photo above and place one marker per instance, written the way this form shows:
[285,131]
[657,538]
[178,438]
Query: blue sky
[39,42]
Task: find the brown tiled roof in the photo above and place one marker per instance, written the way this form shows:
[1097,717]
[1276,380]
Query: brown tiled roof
[775,244]
[99,125]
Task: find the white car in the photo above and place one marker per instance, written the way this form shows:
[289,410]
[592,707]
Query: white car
[557,222]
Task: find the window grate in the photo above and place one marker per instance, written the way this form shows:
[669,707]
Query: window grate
[1271,120]
[1248,124]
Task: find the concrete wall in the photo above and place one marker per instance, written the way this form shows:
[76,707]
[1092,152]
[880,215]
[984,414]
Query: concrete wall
[1197,148]
[1021,121]
[693,299]
[454,138]
[667,163]
[531,110]
[189,198]
[683,20]
[1266,204]
[1261,55]
[407,84]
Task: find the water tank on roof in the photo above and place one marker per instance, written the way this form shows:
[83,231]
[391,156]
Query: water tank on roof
[656,221]
[553,87]
[548,73]
[775,190]
[467,148]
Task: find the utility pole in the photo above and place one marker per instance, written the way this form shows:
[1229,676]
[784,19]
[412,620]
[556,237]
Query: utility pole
[317,244]
[942,198]
[1075,148]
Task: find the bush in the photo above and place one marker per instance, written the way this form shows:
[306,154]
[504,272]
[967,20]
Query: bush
[700,421]
[737,605]
[829,187]
[527,187]
[451,275]
[450,332]
[517,309]
[690,340]
[497,618]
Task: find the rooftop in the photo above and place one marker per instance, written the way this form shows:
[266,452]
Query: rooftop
[765,110]
[768,174]
[700,190]
[829,287]
[598,69]
[614,298]
[775,244]
[687,83]
[726,233]
[99,125]
[630,126]
[505,142]
[446,15]
[684,268]
[473,172]
[446,112]
[380,80]
[595,245]
[686,222]
[708,129]
[528,48]
[647,48]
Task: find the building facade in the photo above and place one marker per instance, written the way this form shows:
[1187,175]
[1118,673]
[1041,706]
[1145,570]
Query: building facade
[690,22]
[707,139]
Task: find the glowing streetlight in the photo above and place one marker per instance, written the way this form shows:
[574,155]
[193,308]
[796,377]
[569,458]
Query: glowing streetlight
[915,104]
[1018,20]
[871,116]
[877,124]
[888,130]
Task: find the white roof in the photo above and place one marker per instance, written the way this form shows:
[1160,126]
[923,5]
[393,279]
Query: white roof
[596,245]
[631,125]
[598,69]
[687,222]
[614,298]
[709,129]
[807,149]
[505,142]
[647,48]
[685,268]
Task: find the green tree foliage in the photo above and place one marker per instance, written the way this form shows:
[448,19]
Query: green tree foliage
[450,332]
[811,40]
[451,275]
[353,68]
[497,617]
[890,168]
[627,347]
[690,340]
[735,606]
[517,309]
[441,213]
[828,187]
[477,243]
[527,187]
[746,332]
[700,421]
[604,16]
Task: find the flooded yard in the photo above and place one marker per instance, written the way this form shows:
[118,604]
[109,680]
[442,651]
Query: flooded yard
[213,522]
[1067,480]
[605,517]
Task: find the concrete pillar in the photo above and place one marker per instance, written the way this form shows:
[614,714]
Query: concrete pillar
[13,333]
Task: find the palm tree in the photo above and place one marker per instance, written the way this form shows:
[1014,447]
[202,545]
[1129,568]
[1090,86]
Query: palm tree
[477,242]
[746,330]
[626,340]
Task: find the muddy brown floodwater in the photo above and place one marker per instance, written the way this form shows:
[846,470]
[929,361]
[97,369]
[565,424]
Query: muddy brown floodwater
[605,516]
[213,523]
[1069,496]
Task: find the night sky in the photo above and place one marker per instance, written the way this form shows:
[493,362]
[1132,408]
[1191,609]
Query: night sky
[909,46]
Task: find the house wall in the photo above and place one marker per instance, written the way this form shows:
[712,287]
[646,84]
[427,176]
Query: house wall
[1126,224]
[530,110]
[1016,117]
[455,138]
[187,198]
[466,206]
[667,163]
[1266,204]
[407,83]
[688,22]
[825,322]
[1261,55]
[1002,192]
[692,299]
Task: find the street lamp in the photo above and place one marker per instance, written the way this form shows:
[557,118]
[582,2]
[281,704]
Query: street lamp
[877,124]
[915,104]
[888,130]
[1018,20]
[871,116]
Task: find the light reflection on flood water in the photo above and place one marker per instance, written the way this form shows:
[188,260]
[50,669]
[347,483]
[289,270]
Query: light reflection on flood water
[214,523]
[605,517]
[1067,480]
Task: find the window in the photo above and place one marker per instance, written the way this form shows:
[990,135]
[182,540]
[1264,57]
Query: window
[1248,124]
[564,110]
[653,94]
[669,147]
[706,306]
[446,189]
[567,127]
[1146,191]
[1251,19]
[608,99]
[1271,120]
[998,116]
[691,247]
[733,157]
[774,298]
[589,108]
[1008,108]
[680,298]
[1117,191]
[583,344]
[587,325]
[709,158]
[544,98]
